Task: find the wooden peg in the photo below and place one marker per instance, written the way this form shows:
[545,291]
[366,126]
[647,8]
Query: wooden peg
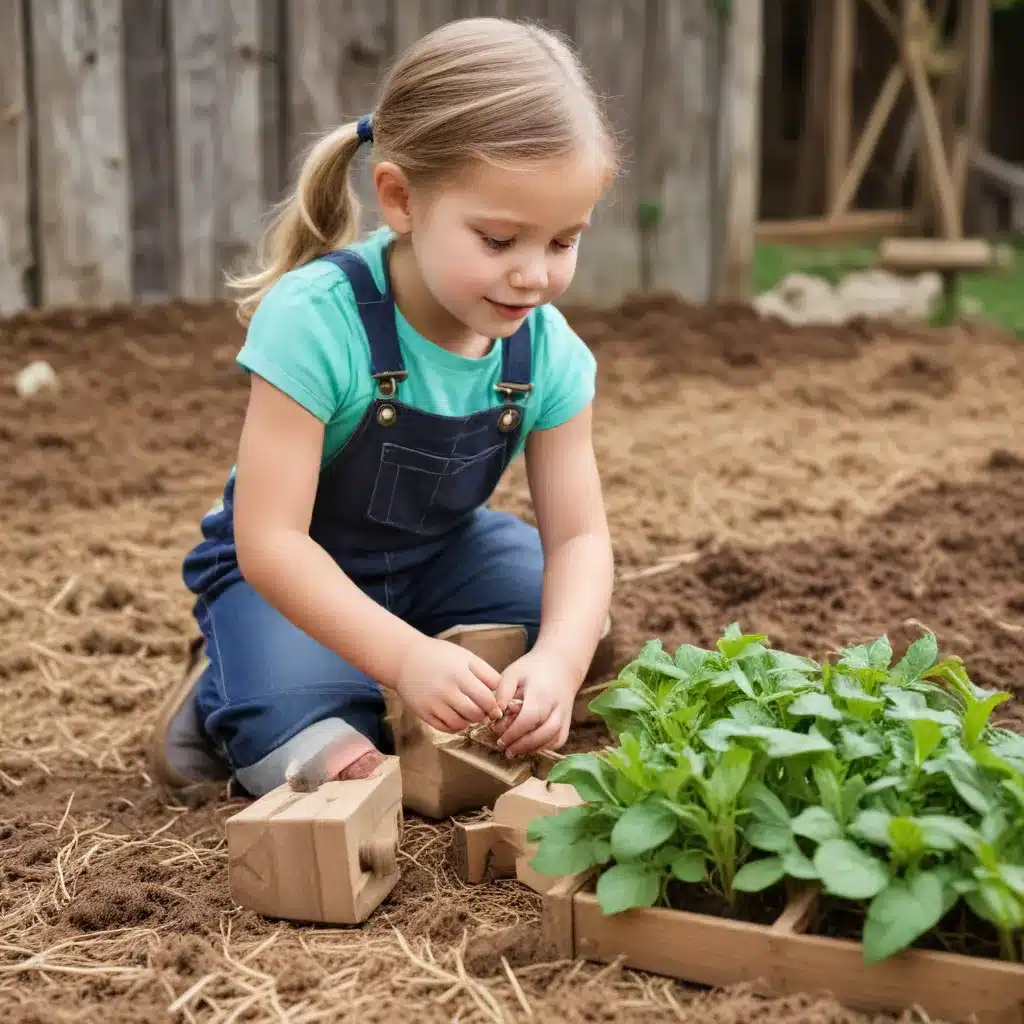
[329,856]
[498,848]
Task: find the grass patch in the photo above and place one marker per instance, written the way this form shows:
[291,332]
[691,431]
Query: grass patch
[1000,295]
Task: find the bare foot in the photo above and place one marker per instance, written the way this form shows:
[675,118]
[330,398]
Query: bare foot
[351,756]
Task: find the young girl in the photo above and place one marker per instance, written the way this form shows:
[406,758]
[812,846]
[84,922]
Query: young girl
[392,382]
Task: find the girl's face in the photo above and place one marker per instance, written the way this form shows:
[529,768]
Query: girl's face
[497,241]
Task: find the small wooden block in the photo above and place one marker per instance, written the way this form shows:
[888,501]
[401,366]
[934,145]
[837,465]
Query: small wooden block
[498,848]
[329,856]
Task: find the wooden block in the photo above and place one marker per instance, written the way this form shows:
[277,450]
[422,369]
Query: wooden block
[498,848]
[328,856]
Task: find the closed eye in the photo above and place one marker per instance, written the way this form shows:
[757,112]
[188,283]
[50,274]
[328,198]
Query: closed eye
[497,244]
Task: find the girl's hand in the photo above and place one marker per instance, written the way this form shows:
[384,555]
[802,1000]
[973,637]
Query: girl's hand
[449,687]
[547,689]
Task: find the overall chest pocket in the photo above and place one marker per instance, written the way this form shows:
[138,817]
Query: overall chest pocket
[426,493]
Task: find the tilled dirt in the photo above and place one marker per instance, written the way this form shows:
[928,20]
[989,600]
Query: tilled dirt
[821,486]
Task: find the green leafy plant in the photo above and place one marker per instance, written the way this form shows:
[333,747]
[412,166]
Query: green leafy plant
[739,767]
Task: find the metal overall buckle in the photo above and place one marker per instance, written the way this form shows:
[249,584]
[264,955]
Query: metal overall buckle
[511,415]
[387,384]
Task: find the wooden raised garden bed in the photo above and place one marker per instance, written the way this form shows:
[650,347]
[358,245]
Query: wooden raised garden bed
[780,958]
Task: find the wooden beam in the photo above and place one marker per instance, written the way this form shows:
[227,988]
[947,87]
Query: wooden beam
[915,255]
[917,27]
[840,114]
[16,256]
[880,113]
[977,30]
[858,225]
[1001,173]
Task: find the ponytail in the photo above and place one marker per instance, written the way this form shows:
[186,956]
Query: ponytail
[321,214]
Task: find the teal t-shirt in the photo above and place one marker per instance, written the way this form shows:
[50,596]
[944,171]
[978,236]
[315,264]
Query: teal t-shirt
[306,339]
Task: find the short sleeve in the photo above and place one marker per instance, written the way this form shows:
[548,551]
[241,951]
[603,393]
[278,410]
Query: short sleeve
[300,339]
[568,370]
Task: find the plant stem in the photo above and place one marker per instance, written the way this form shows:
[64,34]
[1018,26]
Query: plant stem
[1007,944]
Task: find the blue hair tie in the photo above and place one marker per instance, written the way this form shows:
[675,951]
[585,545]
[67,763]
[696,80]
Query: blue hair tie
[364,128]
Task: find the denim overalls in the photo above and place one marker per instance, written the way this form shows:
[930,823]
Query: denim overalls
[400,508]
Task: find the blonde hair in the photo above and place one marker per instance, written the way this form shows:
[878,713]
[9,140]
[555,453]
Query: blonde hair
[479,89]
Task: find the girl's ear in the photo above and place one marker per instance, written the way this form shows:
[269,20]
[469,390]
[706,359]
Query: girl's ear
[393,197]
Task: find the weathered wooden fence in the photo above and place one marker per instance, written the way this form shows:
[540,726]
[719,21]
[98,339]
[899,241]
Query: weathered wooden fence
[142,142]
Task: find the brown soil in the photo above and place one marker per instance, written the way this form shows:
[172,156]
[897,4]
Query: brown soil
[755,907]
[821,486]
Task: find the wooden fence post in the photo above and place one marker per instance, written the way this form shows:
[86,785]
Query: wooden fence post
[16,257]
[83,183]
[739,120]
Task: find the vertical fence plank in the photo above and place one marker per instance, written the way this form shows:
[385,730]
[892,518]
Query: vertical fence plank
[151,150]
[85,223]
[611,45]
[413,21]
[16,258]
[198,79]
[273,127]
[677,165]
[739,128]
[238,170]
[337,54]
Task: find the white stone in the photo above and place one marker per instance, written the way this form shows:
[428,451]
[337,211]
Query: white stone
[34,378]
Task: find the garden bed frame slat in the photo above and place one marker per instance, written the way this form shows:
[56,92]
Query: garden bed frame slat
[778,960]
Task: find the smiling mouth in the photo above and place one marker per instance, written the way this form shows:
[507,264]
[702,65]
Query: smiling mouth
[510,310]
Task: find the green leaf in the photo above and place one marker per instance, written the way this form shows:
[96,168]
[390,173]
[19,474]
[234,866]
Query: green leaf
[758,875]
[571,841]
[884,783]
[997,903]
[734,676]
[907,838]
[848,871]
[624,886]
[816,823]
[967,779]
[729,776]
[643,827]
[880,653]
[690,866]
[945,832]
[777,743]
[902,913]
[921,655]
[769,836]
[785,662]
[927,736]
[798,865]
[817,705]
[872,826]
[691,660]
[855,745]
[977,716]
[619,698]
[732,643]
[764,805]
[585,772]
[828,786]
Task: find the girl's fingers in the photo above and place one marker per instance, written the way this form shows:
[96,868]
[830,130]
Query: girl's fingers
[524,723]
[481,696]
[466,709]
[543,735]
[489,676]
[507,687]
[445,719]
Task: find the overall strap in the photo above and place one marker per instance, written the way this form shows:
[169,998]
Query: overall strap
[377,312]
[516,364]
